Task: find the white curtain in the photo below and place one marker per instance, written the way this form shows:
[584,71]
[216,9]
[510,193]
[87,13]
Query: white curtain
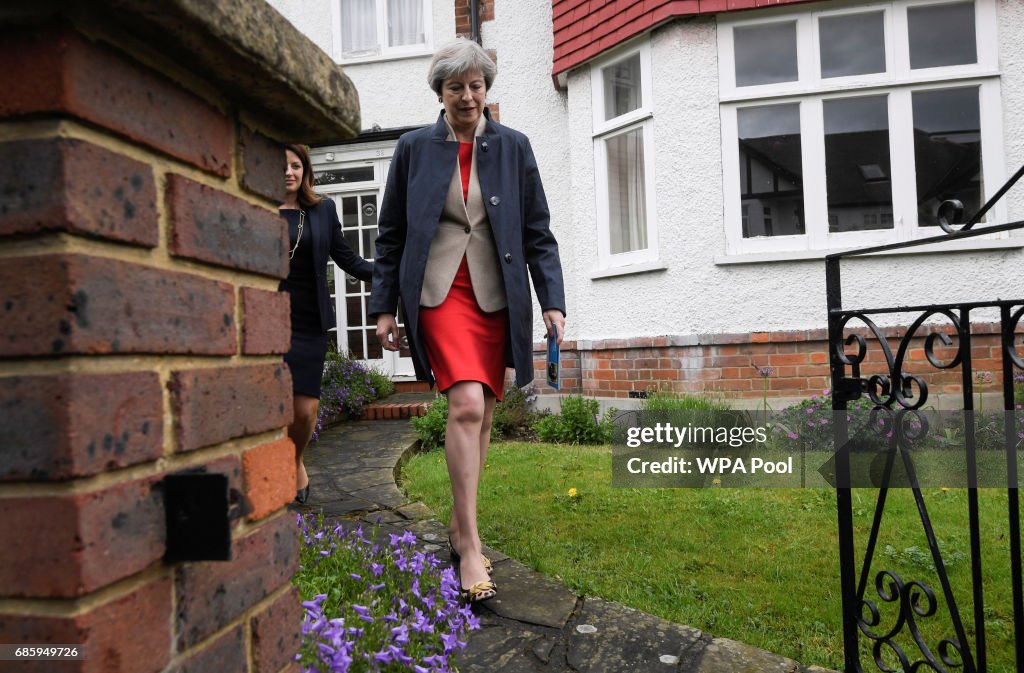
[627,202]
[358,26]
[405,22]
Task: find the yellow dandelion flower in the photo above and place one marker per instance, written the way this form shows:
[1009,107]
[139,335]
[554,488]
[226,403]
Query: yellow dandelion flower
[716,482]
[572,492]
[945,489]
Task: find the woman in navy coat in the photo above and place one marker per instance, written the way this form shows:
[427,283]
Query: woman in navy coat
[460,257]
[314,235]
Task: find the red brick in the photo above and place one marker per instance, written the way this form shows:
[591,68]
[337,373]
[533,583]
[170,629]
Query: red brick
[217,404]
[210,595]
[276,633]
[818,357]
[62,304]
[74,544]
[788,359]
[77,424]
[262,162]
[55,71]
[108,647]
[214,227]
[266,322]
[269,477]
[227,653]
[759,337]
[60,184]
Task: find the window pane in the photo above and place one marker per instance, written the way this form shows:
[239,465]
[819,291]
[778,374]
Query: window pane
[942,35]
[369,224]
[947,151]
[358,26]
[771,172]
[622,91]
[852,44]
[857,167]
[405,22]
[627,203]
[343,175]
[765,54]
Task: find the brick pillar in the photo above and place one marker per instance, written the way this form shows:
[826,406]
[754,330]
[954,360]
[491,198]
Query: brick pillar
[141,330]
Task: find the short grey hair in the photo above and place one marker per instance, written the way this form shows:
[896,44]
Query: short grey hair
[458,58]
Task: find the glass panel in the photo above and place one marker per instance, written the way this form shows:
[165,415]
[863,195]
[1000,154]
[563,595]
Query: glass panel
[330,278]
[373,347]
[354,310]
[405,22]
[947,151]
[942,35]
[627,201]
[622,92]
[350,212]
[358,27]
[343,175]
[771,170]
[852,44]
[355,344]
[765,54]
[857,167]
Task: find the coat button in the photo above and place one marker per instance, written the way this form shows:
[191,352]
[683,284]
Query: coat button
[495,200]
[467,229]
[508,257]
[483,146]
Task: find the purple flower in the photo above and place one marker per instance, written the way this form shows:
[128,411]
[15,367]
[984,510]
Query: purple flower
[766,371]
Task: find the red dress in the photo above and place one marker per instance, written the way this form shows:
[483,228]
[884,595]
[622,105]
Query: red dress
[464,343]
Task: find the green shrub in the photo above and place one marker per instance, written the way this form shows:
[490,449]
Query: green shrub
[577,424]
[382,383]
[431,428]
[515,416]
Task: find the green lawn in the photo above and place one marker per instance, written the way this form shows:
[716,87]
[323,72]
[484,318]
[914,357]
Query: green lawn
[755,565]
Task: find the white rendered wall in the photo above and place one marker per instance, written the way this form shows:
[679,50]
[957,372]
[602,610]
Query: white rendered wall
[697,296]
[522,37]
[392,93]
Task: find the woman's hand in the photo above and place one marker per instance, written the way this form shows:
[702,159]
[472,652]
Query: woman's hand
[552,318]
[387,331]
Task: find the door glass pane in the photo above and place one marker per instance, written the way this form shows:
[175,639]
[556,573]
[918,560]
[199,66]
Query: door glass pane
[765,54]
[942,35]
[771,170]
[368,224]
[340,176]
[358,27]
[405,22]
[947,151]
[622,91]
[857,167]
[627,203]
[852,44]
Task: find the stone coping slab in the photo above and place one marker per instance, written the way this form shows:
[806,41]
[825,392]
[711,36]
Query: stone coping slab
[257,59]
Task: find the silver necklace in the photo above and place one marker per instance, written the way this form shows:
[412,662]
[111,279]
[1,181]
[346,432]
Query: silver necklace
[298,238]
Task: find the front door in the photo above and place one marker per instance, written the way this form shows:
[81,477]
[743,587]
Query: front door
[356,330]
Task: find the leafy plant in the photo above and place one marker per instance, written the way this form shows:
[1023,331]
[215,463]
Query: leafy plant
[370,607]
[578,423]
[431,427]
[515,416]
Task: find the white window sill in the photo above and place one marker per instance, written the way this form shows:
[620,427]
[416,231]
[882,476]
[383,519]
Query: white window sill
[378,58]
[630,269]
[940,247]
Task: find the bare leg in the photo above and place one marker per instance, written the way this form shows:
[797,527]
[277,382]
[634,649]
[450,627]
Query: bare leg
[485,442]
[300,431]
[466,408]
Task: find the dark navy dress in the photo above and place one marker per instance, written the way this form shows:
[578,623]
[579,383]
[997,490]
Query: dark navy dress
[306,356]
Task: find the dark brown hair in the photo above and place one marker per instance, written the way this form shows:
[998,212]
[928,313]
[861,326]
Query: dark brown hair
[306,196]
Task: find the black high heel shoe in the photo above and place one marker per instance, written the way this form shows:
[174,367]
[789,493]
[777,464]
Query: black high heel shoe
[302,495]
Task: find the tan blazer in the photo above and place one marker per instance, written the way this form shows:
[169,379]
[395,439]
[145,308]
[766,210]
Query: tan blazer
[464,230]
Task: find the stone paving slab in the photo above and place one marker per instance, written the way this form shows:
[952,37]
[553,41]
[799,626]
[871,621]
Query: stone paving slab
[535,624]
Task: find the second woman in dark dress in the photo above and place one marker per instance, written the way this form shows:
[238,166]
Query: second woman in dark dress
[314,235]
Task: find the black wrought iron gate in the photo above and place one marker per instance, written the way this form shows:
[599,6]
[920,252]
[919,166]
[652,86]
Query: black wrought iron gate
[896,396]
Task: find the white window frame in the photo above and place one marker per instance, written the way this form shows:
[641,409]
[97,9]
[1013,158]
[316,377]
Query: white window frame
[810,91]
[383,52]
[603,130]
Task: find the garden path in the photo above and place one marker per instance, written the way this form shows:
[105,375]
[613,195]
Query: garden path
[536,624]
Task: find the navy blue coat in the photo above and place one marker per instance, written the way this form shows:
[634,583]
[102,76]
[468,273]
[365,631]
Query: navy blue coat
[328,240]
[421,170]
